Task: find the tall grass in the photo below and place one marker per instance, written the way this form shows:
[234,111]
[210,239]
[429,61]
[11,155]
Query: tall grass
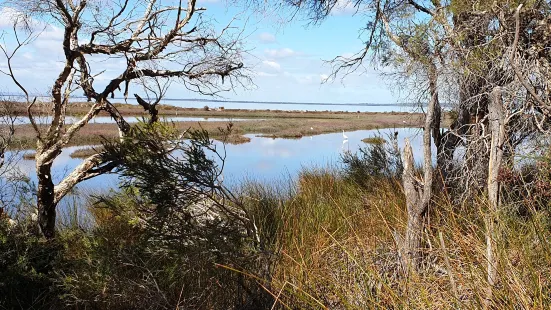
[337,244]
[327,241]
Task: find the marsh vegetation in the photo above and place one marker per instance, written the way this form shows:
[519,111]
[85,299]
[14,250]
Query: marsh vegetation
[467,225]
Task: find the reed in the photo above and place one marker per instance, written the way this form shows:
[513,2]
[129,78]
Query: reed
[338,250]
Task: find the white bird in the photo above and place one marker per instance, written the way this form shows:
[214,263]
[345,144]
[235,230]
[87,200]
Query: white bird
[345,137]
[311,128]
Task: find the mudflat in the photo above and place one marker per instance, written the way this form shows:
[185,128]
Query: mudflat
[266,123]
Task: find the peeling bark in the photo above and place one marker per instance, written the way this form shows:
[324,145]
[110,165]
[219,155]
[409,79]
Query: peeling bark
[45,200]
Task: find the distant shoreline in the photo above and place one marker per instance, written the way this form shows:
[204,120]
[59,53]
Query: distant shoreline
[266,123]
[129,109]
[359,104]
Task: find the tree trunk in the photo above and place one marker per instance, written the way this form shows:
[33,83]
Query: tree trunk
[46,200]
[417,197]
[497,132]
[412,240]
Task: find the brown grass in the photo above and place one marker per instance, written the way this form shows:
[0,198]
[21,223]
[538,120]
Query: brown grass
[374,140]
[29,156]
[236,139]
[290,126]
[338,251]
[86,152]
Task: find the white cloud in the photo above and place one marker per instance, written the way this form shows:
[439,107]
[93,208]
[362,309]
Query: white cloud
[345,7]
[264,74]
[49,43]
[52,33]
[266,37]
[8,16]
[280,53]
[272,64]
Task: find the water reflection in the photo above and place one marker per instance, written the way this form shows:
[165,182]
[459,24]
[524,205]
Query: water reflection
[267,159]
[262,159]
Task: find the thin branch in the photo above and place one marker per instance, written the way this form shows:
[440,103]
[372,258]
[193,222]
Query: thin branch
[518,73]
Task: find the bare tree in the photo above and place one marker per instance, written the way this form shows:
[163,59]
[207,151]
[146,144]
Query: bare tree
[7,128]
[13,183]
[156,40]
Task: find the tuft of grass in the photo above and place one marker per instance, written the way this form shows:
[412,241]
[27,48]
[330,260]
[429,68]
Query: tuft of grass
[236,139]
[336,245]
[29,156]
[87,151]
[374,140]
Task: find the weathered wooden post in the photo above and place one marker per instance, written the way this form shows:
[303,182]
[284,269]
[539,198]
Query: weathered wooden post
[497,134]
[413,192]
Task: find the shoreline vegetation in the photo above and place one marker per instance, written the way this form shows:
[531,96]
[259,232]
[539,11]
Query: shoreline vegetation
[263,123]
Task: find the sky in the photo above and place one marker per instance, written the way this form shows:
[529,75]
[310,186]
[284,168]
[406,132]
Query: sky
[287,59]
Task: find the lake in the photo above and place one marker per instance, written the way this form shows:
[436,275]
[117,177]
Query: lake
[262,159]
[251,105]
[291,106]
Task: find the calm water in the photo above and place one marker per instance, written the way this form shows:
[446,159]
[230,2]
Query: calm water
[262,159]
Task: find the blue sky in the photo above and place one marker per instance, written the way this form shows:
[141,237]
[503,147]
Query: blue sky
[287,59]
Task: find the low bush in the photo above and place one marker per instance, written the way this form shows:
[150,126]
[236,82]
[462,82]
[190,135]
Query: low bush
[374,161]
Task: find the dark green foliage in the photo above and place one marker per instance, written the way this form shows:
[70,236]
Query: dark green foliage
[137,271]
[187,217]
[27,269]
[178,180]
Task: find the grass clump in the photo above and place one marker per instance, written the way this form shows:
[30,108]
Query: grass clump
[86,152]
[374,140]
[336,241]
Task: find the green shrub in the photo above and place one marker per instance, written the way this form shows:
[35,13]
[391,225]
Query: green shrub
[27,269]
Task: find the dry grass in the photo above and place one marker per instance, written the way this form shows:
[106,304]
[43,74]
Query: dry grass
[374,140]
[338,251]
[86,152]
[276,127]
[29,155]
[81,108]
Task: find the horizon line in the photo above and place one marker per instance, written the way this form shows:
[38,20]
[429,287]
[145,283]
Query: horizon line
[247,101]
